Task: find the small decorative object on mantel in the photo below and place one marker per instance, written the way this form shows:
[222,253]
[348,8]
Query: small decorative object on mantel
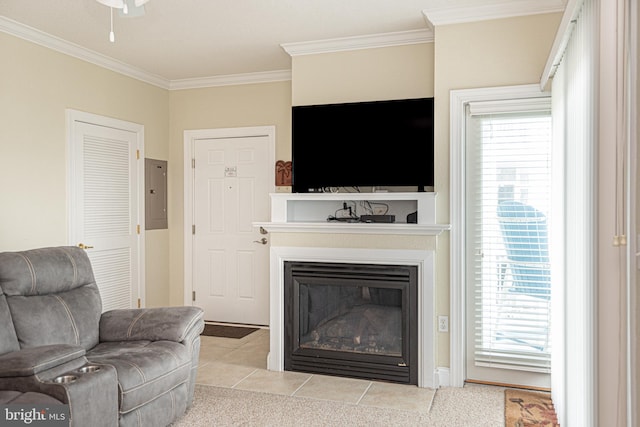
[283,173]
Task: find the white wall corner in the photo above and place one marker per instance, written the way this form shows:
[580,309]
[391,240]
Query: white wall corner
[441,377]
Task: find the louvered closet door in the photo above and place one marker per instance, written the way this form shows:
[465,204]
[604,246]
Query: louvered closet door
[104,183]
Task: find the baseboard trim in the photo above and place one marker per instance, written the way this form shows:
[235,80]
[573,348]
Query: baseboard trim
[441,377]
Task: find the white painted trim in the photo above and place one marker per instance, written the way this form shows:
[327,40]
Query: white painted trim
[73,116]
[231,79]
[458,101]
[441,377]
[354,228]
[190,136]
[358,42]
[456,14]
[560,42]
[425,260]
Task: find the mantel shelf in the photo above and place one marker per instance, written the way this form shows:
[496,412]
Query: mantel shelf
[354,228]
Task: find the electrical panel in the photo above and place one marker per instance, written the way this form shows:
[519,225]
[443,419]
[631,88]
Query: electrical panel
[155,172]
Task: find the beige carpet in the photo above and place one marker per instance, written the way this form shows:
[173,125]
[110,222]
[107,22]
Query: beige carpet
[472,406]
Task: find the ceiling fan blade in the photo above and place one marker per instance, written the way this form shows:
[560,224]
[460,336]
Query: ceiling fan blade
[117,4]
[133,10]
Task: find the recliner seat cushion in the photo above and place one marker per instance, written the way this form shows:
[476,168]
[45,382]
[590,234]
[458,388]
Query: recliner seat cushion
[145,369]
[12,397]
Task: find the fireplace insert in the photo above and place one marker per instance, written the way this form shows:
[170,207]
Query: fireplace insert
[353,320]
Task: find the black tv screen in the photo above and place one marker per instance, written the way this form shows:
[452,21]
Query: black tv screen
[363,144]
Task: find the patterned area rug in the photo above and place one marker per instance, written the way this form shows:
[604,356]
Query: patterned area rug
[227,331]
[528,409]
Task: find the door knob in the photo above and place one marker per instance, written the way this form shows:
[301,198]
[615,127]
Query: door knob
[83,246]
[262,241]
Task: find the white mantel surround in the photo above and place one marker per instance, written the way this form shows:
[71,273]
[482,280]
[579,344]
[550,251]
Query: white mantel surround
[289,218]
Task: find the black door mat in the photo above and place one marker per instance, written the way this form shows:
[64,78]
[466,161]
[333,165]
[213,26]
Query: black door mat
[225,331]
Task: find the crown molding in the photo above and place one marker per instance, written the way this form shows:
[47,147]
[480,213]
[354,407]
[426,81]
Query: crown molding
[231,79]
[358,42]
[49,41]
[55,43]
[497,9]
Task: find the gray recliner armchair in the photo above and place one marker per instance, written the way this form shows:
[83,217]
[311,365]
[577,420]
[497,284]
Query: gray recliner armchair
[134,367]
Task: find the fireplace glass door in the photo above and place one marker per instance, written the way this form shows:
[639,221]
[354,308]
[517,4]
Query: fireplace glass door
[351,320]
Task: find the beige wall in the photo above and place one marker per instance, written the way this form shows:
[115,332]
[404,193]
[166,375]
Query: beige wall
[363,75]
[220,107]
[36,86]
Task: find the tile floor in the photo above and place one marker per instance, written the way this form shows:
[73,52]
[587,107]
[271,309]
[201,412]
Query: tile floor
[242,364]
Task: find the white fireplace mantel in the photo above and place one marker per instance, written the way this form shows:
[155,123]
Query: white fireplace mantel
[354,228]
[307,213]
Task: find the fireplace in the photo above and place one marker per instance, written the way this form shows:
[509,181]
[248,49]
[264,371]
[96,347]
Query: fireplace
[354,320]
[301,234]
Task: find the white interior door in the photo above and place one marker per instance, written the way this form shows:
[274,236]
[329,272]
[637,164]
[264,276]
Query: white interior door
[232,180]
[105,211]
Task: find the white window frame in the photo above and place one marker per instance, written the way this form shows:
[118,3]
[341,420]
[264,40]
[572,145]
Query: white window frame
[458,101]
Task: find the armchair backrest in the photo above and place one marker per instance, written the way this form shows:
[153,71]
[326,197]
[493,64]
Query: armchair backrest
[52,296]
[524,230]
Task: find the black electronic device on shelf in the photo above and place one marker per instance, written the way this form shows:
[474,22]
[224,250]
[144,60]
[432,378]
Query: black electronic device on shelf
[378,218]
[363,144]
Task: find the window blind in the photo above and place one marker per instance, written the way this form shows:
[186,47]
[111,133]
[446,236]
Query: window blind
[575,90]
[509,186]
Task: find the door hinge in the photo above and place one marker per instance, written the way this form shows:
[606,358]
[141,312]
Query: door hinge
[193,163]
[138,228]
[138,154]
[139,303]
[193,229]
[193,295]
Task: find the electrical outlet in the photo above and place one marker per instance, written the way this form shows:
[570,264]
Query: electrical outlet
[443,323]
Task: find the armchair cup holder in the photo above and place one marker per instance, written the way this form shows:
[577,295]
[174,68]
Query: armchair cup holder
[72,377]
[64,379]
[89,369]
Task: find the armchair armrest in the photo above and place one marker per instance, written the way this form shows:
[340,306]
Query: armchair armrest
[31,361]
[153,324]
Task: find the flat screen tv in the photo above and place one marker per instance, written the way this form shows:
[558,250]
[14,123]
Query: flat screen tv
[363,144]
